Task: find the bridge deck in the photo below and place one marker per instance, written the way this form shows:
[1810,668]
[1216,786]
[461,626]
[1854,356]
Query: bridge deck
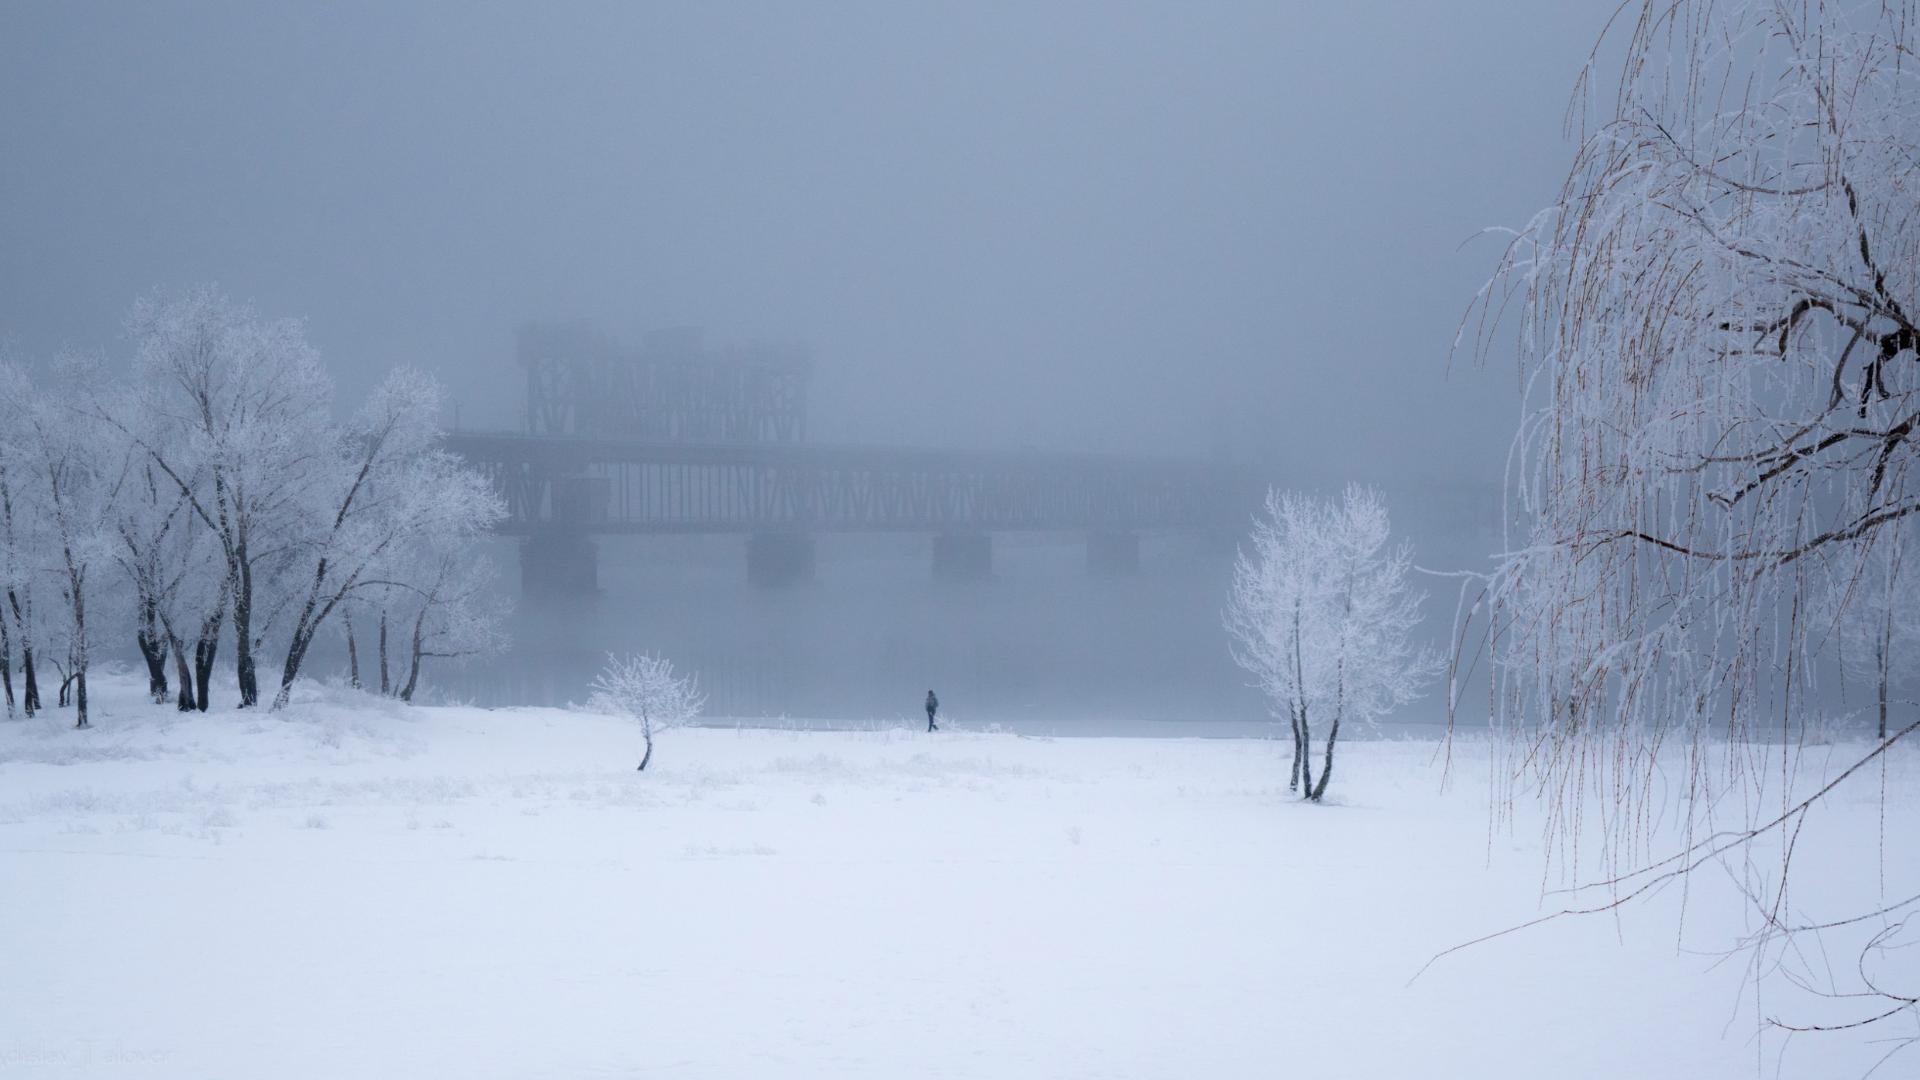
[614,486]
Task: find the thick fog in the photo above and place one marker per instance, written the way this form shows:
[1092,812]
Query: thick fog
[1239,232]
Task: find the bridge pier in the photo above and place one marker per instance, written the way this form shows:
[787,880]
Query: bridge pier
[962,556]
[557,561]
[778,559]
[1113,554]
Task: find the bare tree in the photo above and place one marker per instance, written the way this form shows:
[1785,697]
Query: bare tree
[647,689]
[1716,328]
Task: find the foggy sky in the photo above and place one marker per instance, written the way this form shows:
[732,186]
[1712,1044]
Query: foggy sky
[1177,228]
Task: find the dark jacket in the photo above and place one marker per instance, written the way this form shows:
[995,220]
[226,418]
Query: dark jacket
[933,703]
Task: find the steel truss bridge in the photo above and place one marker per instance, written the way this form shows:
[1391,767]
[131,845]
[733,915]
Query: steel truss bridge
[672,436]
[561,489]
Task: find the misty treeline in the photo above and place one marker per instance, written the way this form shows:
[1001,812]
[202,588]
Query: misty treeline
[1715,483]
[201,499]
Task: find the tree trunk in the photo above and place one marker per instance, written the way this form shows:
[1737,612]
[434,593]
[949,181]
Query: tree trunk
[1293,724]
[1306,756]
[386,686]
[1326,767]
[6,663]
[243,666]
[1304,751]
[296,654]
[1883,688]
[80,657]
[153,649]
[353,654]
[413,667]
[296,650]
[30,682]
[204,649]
[312,614]
[1339,688]
[303,632]
[648,756]
[203,653]
[182,674]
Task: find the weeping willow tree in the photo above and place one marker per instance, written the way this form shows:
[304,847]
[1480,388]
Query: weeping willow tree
[1716,329]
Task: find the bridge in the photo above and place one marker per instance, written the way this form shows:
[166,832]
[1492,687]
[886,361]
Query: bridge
[675,441]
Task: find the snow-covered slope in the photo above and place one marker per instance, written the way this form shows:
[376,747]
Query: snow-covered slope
[360,889]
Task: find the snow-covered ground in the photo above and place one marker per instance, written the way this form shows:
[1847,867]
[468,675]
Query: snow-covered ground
[358,889]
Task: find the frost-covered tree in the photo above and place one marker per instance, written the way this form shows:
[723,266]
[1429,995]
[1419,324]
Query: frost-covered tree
[647,688]
[177,580]
[16,554]
[433,603]
[238,416]
[1322,615]
[1876,616]
[452,611]
[164,550]
[222,488]
[147,515]
[1717,328]
[1276,589]
[60,480]
[197,613]
[391,486]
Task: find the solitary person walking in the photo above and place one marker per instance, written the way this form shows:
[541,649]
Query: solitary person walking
[933,706]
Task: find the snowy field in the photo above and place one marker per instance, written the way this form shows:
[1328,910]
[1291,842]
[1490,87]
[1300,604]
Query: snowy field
[361,889]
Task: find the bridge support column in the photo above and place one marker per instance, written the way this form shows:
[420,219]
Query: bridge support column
[559,562]
[959,556]
[1112,554]
[776,560]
